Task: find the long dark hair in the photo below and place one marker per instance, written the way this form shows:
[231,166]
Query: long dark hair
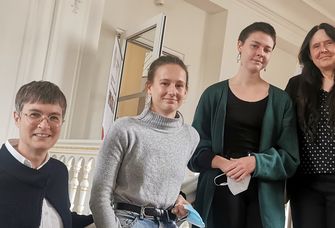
[308,102]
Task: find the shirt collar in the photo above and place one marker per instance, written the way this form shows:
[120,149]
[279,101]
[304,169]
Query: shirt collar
[12,143]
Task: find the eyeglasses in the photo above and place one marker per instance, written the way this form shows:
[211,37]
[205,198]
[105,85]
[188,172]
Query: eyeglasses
[36,118]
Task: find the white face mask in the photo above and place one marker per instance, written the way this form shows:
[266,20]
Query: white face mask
[235,187]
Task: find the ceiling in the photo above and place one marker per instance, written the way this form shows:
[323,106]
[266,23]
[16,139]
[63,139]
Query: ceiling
[317,10]
[206,5]
[325,7]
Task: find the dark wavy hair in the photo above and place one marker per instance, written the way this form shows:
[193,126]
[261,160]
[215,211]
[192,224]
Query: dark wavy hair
[309,90]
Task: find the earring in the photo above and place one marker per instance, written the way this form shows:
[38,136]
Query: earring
[238,58]
[264,69]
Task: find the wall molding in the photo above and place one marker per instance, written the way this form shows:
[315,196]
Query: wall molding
[320,9]
[279,19]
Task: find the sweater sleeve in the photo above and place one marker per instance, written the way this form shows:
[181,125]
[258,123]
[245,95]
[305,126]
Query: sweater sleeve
[106,172]
[282,159]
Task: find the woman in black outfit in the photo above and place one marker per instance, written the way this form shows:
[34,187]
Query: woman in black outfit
[312,190]
[247,135]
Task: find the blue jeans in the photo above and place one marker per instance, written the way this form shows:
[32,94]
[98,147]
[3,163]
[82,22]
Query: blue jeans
[130,219]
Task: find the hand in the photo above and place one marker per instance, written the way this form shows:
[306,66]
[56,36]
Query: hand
[222,163]
[241,167]
[178,208]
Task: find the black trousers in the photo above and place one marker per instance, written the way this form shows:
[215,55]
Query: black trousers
[239,211]
[313,201]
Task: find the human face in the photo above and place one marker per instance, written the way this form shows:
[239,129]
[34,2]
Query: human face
[255,51]
[322,51]
[168,89]
[37,137]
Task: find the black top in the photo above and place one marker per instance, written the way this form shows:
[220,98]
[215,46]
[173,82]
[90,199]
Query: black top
[243,126]
[242,129]
[318,155]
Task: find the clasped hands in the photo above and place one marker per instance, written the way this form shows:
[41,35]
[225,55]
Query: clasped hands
[235,168]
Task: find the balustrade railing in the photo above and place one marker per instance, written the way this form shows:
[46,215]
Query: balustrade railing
[79,157]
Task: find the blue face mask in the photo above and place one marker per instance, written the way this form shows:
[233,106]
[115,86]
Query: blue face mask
[193,216]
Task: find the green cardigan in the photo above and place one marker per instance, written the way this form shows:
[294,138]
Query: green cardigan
[276,160]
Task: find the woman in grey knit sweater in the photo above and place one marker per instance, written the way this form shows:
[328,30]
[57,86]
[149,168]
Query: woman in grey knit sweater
[143,159]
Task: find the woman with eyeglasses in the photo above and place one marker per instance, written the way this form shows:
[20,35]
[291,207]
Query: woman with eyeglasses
[312,189]
[247,132]
[143,159]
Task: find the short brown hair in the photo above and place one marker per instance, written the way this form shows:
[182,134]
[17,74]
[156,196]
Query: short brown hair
[44,92]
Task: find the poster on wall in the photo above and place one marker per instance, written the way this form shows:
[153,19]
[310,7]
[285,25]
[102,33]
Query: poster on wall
[112,88]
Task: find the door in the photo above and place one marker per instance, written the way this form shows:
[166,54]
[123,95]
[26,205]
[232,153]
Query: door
[142,46]
[126,87]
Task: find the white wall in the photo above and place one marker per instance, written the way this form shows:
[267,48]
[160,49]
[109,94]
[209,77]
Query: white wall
[71,42]
[52,40]
[290,22]
[185,34]
[207,38]
[23,49]
[71,61]
[235,23]
[212,49]
[281,67]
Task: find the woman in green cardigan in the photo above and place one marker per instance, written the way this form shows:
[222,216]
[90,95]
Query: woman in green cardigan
[247,131]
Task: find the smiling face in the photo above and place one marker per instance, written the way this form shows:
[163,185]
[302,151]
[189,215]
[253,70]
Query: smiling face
[322,51]
[168,89]
[37,137]
[255,51]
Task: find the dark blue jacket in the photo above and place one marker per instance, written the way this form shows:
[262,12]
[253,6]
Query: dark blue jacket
[22,190]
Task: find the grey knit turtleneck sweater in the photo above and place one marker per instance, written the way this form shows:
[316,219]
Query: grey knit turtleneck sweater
[143,162]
